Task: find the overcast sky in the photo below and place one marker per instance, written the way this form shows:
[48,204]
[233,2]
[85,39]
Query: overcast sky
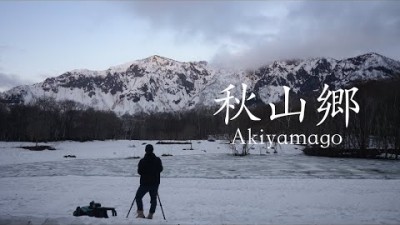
[47,38]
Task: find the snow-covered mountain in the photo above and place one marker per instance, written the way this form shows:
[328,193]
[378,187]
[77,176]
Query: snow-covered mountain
[159,84]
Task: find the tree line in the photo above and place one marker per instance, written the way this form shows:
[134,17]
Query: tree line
[47,120]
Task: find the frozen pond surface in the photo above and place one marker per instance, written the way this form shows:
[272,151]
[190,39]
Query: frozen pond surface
[217,166]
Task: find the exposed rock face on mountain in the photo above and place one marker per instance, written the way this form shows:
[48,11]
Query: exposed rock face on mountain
[304,76]
[158,84]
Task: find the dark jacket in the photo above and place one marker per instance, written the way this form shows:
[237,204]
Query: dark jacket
[149,169]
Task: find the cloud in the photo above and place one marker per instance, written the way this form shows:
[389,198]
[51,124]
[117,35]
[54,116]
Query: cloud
[5,47]
[215,21]
[9,81]
[254,33]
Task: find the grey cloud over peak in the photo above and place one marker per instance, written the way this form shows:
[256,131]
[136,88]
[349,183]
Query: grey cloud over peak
[212,20]
[253,33]
[8,81]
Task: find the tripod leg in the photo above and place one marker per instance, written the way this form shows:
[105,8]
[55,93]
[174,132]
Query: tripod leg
[131,207]
[162,210]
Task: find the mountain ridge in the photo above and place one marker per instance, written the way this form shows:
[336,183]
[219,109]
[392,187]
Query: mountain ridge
[161,84]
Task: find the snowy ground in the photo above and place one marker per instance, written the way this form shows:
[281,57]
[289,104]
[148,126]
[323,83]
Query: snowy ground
[203,186]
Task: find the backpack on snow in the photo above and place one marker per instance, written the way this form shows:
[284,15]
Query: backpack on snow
[94,210]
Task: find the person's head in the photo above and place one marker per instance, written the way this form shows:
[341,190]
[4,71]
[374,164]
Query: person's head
[149,149]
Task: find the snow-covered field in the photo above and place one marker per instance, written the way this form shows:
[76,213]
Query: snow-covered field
[206,185]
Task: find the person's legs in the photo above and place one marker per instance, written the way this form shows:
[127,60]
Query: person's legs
[153,190]
[139,195]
